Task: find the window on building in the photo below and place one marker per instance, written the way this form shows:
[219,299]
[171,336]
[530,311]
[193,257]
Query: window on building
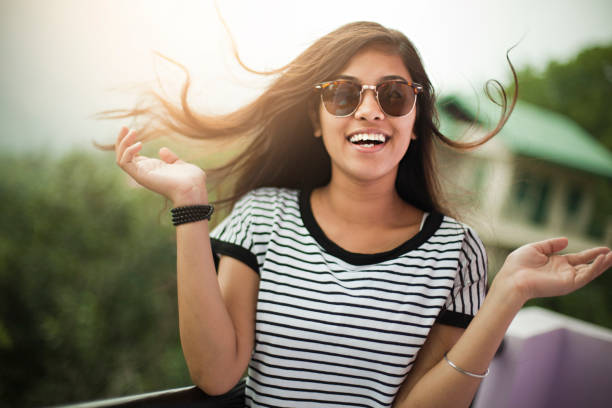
[530,199]
[541,197]
[573,201]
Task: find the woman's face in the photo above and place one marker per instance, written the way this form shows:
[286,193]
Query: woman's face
[351,156]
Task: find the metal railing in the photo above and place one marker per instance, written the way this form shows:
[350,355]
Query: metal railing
[190,397]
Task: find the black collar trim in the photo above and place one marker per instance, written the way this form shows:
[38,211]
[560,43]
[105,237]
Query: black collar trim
[432,223]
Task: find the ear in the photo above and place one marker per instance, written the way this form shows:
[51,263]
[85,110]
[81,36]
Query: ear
[314,119]
[413,136]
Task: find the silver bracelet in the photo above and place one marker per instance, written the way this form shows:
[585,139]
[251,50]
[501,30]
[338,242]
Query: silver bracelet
[462,371]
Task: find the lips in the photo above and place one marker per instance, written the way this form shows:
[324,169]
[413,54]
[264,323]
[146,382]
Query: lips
[368,138]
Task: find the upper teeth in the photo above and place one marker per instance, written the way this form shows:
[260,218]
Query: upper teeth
[360,137]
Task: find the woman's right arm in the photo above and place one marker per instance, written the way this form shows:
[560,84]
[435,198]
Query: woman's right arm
[216,310]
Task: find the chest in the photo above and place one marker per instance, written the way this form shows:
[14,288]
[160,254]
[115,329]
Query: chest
[384,311]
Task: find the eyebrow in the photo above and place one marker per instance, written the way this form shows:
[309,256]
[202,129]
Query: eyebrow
[385,78]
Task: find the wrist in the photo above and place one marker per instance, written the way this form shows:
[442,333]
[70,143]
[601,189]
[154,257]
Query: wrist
[196,195]
[506,295]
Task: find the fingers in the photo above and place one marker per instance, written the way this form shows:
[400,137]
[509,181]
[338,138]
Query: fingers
[550,246]
[600,264]
[168,155]
[587,255]
[120,137]
[607,261]
[586,273]
[125,148]
[129,153]
[124,131]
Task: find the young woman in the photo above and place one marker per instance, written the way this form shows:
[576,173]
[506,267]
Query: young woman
[341,279]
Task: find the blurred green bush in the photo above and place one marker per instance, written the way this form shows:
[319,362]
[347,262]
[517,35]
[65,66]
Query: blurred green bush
[87,284]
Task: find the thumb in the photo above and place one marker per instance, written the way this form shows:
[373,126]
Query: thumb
[550,246]
[168,155]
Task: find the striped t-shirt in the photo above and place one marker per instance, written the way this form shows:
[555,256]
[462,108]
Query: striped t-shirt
[335,328]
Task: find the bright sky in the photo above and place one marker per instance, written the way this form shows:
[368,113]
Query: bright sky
[62,58]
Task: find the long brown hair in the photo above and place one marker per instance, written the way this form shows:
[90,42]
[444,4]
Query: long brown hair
[281,150]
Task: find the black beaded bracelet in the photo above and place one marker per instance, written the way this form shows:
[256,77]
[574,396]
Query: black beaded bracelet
[191,213]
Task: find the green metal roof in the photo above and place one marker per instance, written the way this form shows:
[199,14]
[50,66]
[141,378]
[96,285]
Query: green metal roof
[535,132]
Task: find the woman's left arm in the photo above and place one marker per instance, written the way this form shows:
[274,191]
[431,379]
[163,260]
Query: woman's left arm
[531,271]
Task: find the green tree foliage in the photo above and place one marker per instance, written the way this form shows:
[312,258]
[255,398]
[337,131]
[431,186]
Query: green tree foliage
[87,285]
[581,89]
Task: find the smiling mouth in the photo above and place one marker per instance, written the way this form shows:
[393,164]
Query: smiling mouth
[367,139]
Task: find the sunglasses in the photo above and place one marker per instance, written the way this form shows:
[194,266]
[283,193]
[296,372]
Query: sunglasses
[395,97]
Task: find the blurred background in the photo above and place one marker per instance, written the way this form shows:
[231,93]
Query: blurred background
[87,261]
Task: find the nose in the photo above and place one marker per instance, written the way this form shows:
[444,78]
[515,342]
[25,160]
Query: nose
[368,108]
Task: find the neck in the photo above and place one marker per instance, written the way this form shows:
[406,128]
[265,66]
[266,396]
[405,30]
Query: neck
[359,202]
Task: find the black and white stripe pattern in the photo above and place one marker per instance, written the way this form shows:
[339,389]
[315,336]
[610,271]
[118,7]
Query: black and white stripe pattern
[335,328]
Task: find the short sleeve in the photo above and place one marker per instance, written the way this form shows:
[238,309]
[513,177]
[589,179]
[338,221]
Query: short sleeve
[234,235]
[470,284]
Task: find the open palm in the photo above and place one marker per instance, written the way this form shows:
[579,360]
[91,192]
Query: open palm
[167,175]
[538,271]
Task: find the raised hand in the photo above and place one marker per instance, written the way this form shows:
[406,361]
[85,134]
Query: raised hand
[181,182]
[536,270]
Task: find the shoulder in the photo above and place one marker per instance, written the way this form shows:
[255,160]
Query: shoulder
[473,254]
[268,197]
[246,231]
[266,205]
[468,242]
[451,226]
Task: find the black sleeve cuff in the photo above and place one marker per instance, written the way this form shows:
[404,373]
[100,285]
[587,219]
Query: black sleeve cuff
[449,318]
[235,251]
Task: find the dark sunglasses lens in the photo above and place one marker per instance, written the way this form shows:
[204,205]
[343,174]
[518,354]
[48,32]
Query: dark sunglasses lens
[341,98]
[396,98]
